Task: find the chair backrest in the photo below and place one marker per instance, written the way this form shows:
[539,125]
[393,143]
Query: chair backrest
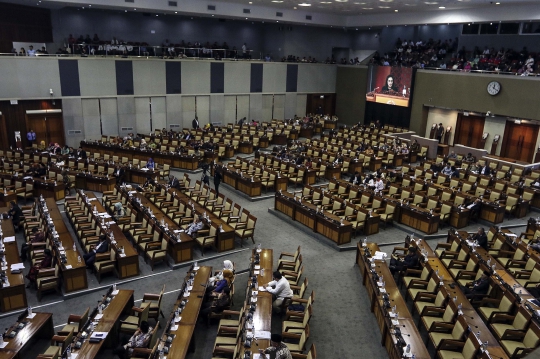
[448,315]
[531,338]
[458,330]
[520,321]
[83,319]
[469,349]
[506,304]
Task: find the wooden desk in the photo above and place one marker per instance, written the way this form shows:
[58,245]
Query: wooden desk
[459,218]
[326,223]
[119,305]
[40,326]
[420,219]
[378,307]
[183,340]
[306,132]
[469,313]
[94,183]
[279,139]
[127,265]
[242,183]
[225,238]
[14,296]
[73,272]
[137,175]
[179,251]
[375,163]
[332,172]
[7,197]
[49,189]
[492,212]
[245,147]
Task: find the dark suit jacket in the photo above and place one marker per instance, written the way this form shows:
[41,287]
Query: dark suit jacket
[440,131]
[482,240]
[486,170]
[195,123]
[120,174]
[480,286]
[102,247]
[81,154]
[358,179]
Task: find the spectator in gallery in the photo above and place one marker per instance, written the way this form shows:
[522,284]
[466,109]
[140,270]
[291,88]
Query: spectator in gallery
[22,52]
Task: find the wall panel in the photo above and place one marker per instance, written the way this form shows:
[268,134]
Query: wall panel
[97,77]
[217,109]
[290,104]
[203,110]
[237,77]
[279,107]
[188,110]
[159,113]
[267,107]
[174,110]
[73,120]
[195,77]
[142,115]
[255,107]
[315,78]
[149,77]
[92,117]
[274,77]
[229,113]
[242,107]
[301,103]
[126,115]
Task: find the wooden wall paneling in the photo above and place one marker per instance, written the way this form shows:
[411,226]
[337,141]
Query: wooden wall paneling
[15,117]
[328,103]
[49,127]
[469,130]
[519,141]
[3,133]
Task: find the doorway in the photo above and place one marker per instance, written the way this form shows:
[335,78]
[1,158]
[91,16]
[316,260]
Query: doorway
[3,133]
[321,104]
[469,130]
[48,127]
[519,141]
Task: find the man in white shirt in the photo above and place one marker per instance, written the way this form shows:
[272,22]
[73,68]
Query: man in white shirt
[280,289]
[31,51]
[379,184]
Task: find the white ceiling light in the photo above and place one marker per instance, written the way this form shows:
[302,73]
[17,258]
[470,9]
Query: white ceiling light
[396,10]
[442,7]
[342,0]
[384,7]
[304,4]
[277,1]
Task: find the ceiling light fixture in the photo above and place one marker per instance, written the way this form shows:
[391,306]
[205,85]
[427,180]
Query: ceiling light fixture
[396,10]
[442,7]
[304,4]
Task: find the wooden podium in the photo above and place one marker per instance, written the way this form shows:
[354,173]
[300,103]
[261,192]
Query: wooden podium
[494,144]
[433,131]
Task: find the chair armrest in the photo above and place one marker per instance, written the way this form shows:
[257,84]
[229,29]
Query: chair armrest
[511,334]
[501,318]
[432,311]
[415,283]
[441,327]
[443,245]
[149,296]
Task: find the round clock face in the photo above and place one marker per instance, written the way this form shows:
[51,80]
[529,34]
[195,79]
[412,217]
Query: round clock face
[493,88]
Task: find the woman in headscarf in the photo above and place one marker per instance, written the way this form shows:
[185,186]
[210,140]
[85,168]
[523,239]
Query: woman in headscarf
[143,143]
[118,210]
[220,285]
[150,164]
[227,265]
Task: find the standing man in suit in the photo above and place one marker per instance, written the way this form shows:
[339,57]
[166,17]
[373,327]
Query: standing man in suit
[217,179]
[102,247]
[118,173]
[195,123]
[440,132]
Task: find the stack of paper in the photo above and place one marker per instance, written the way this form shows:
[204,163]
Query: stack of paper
[262,334]
[9,239]
[16,266]
[379,255]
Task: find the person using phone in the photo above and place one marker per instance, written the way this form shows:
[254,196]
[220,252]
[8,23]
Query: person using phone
[280,349]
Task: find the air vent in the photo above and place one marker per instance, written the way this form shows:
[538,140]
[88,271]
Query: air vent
[132,1]
[75,132]
[279,14]
[174,125]
[126,128]
[308,17]
[173,3]
[247,11]
[211,7]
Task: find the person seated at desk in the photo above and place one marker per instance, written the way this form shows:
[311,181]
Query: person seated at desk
[481,237]
[128,142]
[415,146]
[469,158]
[65,150]
[195,226]
[152,145]
[452,156]
[404,149]
[219,285]
[32,170]
[46,262]
[478,287]
[139,339]
[173,182]
[369,151]
[401,264]
[15,213]
[102,247]
[280,289]
[379,184]
[308,163]
[484,170]
[41,170]
[447,170]
[80,153]
[218,305]
[150,164]
[37,236]
[279,349]
[143,144]
[119,211]
[356,178]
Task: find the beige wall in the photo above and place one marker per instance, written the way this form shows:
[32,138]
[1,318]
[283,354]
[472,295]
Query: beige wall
[446,117]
